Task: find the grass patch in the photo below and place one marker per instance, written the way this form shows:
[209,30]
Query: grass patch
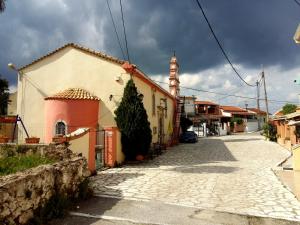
[14,164]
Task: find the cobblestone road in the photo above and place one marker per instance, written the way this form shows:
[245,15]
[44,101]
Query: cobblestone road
[230,173]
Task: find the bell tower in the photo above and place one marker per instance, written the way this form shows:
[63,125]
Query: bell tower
[174,78]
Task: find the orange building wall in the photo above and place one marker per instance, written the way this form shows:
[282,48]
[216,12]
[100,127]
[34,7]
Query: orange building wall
[75,113]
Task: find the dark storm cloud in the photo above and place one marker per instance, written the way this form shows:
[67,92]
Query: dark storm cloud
[252,32]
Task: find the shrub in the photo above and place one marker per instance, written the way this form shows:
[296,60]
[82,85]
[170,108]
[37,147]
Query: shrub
[132,121]
[236,120]
[269,131]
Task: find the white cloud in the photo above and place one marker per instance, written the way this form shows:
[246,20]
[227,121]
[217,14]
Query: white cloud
[280,85]
[12,88]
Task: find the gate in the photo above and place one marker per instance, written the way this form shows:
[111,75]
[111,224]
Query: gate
[99,149]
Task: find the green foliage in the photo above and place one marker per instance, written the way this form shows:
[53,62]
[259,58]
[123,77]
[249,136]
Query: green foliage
[4,95]
[288,108]
[269,131]
[19,163]
[132,121]
[185,123]
[236,120]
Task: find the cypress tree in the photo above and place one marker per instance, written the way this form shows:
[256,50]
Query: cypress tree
[132,121]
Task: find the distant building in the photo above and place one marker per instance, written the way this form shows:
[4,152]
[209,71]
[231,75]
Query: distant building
[188,105]
[249,123]
[287,128]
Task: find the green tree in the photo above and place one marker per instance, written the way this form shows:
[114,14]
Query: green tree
[270,131]
[4,96]
[288,108]
[132,121]
[2,5]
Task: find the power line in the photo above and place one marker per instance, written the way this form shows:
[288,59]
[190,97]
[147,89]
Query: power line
[296,1]
[112,19]
[228,95]
[124,31]
[220,46]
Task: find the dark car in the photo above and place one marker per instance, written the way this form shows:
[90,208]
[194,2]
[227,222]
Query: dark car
[188,137]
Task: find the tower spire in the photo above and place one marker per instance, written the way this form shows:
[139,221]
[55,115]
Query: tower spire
[174,78]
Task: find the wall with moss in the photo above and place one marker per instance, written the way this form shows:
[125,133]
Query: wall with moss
[23,193]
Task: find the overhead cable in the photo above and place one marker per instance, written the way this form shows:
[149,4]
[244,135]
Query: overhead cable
[228,95]
[296,1]
[124,29]
[117,35]
[220,46]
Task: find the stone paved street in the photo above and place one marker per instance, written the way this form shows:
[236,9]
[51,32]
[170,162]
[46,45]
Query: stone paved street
[230,173]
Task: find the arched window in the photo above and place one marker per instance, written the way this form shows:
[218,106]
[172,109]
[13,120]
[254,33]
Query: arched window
[60,128]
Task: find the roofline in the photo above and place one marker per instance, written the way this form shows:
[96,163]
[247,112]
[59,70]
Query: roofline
[242,110]
[132,69]
[198,102]
[76,46]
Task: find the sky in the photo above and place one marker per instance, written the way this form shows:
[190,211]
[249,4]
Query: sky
[255,34]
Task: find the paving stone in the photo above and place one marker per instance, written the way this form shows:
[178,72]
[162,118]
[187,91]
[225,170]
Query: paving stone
[230,173]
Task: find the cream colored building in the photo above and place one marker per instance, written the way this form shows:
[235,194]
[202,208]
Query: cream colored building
[74,66]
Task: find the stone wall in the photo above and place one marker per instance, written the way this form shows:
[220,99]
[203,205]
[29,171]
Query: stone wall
[24,192]
[58,152]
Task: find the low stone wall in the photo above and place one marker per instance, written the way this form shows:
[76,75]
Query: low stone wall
[58,152]
[24,192]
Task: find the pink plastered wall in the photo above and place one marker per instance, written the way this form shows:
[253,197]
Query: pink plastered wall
[75,113]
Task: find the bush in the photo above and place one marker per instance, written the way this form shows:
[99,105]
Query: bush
[236,120]
[269,131]
[132,121]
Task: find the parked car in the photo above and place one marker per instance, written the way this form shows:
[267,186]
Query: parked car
[188,137]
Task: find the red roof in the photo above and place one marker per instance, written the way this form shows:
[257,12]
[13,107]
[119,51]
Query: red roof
[232,108]
[73,94]
[204,103]
[236,110]
[257,111]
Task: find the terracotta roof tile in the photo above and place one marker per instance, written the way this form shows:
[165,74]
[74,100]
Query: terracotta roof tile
[232,108]
[257,111]
[76,46]
[73,94]
[205,103]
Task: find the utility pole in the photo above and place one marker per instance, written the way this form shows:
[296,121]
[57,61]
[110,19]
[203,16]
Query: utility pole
[258,107]
[266,98]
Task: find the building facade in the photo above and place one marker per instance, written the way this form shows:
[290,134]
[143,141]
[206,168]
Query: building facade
[85,72]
